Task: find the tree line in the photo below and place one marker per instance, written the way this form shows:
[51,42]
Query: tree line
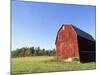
[31,51]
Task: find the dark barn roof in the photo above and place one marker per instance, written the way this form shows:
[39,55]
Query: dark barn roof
[83,34]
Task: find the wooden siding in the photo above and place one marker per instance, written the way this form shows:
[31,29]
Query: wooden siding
[66,43]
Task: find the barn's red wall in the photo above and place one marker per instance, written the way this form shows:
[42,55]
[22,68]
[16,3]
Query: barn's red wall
[66,43]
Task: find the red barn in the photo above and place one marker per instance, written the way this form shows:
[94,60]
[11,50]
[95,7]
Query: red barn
[71,42]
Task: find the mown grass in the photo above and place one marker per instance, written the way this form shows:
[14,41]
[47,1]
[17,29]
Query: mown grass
[39,64]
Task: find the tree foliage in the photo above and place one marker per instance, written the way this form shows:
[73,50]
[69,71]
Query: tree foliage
[31,51]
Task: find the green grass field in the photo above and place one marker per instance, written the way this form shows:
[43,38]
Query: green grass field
[39,64]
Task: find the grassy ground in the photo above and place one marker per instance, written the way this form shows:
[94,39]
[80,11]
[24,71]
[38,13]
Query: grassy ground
[39,64]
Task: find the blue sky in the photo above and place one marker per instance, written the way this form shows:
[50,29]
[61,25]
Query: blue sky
[36,24]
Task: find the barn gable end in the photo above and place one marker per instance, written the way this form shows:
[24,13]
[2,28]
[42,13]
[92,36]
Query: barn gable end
[66,42]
